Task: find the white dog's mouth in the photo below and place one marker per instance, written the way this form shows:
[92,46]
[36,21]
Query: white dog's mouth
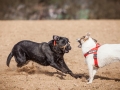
[79,46]
[79,40]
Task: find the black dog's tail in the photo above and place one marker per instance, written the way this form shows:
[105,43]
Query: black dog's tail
[9,58]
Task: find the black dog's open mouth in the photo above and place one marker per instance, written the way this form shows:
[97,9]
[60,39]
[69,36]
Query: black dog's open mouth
[66,48]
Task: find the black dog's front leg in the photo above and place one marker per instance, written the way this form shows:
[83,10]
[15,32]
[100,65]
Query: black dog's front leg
[56,66]
[63,69]
[53,64]
[67,70]
[74,75]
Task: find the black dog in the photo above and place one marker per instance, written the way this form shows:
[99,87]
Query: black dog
[46,54]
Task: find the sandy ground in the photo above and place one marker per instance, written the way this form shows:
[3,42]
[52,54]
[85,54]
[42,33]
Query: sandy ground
[37,77]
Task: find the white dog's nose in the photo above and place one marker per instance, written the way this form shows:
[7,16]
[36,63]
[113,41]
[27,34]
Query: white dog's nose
[77,39]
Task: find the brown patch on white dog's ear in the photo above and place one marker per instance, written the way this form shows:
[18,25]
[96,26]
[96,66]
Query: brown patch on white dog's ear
[86,37]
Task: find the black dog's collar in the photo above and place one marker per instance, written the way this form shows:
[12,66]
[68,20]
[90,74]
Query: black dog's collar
[54,42]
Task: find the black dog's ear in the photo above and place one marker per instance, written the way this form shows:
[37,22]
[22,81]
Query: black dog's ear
[55,37]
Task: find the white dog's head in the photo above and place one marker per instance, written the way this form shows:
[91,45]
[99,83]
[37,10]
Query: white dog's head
[83,39]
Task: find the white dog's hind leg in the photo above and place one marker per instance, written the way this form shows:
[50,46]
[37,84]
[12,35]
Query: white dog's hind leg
[94,71]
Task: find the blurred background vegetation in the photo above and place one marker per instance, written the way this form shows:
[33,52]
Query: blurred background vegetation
[59,9]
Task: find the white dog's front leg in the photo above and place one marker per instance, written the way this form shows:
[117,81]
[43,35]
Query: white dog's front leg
[90,67]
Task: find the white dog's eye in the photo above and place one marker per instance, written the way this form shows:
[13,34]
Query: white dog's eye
[86,37]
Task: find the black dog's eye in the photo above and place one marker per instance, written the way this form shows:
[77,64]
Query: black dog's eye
[63,42]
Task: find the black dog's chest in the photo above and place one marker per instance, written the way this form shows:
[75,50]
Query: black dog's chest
[58,58]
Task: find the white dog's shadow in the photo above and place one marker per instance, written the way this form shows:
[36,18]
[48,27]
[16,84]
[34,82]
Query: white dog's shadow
[100,77]
[106,78]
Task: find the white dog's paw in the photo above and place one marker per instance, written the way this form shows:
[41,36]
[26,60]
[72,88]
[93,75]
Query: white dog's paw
[88,79]
[89,82]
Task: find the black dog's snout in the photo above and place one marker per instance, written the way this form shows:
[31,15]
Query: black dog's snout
[69,47]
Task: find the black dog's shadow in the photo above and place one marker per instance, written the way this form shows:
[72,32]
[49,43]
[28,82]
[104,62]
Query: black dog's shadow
[62,75]
[36,70]
[33,70]
[57,74]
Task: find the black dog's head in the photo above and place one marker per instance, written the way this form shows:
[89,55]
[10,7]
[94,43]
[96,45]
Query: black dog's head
[61,44]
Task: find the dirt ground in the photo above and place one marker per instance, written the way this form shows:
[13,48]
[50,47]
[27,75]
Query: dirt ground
[37,77]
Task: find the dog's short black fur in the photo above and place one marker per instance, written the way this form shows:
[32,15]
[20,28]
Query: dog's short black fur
[46,54]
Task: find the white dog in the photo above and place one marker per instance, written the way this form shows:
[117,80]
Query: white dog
[98,56]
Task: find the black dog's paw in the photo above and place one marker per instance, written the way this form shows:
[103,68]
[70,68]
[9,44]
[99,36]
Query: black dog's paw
[77,76]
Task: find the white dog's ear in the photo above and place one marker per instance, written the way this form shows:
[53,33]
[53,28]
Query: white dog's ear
[88,34]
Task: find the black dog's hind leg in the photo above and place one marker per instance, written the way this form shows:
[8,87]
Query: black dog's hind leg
[20,59]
